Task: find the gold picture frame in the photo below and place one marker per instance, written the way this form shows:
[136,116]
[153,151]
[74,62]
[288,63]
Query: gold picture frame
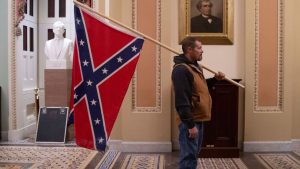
[187,13]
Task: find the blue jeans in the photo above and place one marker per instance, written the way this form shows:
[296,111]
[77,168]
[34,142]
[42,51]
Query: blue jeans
[189,148]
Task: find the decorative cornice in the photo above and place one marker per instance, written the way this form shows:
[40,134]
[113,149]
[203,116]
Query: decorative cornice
[12,89]
[279,106]
[157,108]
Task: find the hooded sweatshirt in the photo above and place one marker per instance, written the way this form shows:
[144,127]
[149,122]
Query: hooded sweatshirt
[183,81]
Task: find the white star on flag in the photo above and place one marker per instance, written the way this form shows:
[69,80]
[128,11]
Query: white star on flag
[133,49]
[78,21]
[89,83]
[93,102]
[81,42]
[75,96]
[85,63]
[104,71]
[97,121]
[101,140]
[120,59]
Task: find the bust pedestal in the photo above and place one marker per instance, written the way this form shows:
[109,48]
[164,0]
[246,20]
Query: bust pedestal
[57,87]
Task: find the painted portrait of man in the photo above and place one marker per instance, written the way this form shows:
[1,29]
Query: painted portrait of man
[206,16]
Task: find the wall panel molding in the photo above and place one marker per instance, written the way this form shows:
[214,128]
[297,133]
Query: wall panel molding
[158,94]
[12,62]
[279,100]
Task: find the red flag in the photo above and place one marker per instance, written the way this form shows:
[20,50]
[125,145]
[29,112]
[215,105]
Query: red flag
[104,62]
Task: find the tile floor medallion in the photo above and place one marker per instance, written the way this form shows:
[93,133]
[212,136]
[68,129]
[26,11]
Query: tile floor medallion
[108,160]
[278,161]
[46,157]
[221,163]
[143,161]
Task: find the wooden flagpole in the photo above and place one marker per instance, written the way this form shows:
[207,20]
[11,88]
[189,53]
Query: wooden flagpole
[147,37]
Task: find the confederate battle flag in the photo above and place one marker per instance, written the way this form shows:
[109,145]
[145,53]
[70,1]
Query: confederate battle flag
[104,61]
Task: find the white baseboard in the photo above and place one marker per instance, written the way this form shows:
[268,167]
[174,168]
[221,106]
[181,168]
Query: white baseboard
[125,146]
[296,144]
[20,134]
[269,146]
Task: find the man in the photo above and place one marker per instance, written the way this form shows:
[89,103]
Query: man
[205,22]
[192,100]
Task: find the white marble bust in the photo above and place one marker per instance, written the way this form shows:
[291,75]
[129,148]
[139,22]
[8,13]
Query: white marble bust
[59,50]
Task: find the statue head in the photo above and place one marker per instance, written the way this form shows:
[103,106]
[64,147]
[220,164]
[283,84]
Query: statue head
[58,29]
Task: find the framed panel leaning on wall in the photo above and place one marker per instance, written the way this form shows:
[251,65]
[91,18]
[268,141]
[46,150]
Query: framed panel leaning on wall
[211,21]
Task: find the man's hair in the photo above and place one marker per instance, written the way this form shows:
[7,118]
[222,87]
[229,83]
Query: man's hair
[199,4]
[188,42]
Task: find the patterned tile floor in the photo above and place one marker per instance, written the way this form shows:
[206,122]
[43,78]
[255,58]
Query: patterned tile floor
[287,160]
[278,160]
[47,157]
[26,154]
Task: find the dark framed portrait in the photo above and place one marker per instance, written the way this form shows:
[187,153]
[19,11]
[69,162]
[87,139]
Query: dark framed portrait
[209,20]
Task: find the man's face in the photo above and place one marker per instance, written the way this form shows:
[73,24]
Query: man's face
[205,8]
[196,53]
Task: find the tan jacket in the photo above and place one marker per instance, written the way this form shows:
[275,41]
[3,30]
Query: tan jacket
[201,99]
